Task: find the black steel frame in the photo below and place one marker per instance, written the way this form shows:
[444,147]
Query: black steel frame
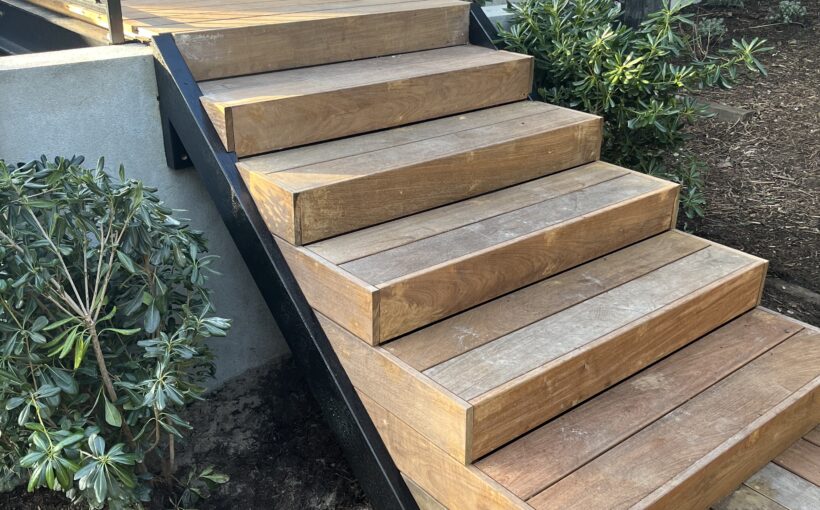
[190,139]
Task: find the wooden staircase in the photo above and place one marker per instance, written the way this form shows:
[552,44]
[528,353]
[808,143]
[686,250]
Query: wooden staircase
[521,320]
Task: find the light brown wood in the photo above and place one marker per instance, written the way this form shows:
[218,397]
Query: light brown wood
[369,241]
[417,299]
[704,449]
[553,451]
[813,436]
[569,231]
[335,100]
[423,499]
[521,404]
[436,413]
[802,459]
[336,293]
[222,52]
[745,498]
[451,483]
[344,185]
[786,488]
[456,335]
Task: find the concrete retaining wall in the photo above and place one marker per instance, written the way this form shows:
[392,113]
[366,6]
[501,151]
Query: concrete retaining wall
[103,102]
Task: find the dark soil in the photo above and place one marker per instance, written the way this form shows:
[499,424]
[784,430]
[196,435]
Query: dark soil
[266,432]
[763,185]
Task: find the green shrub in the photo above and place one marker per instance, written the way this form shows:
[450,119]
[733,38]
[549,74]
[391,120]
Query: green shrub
[637,80]
[103,313]
[788,11]
[733,4]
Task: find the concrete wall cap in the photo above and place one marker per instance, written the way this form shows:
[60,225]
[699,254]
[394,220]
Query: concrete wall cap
[76,56]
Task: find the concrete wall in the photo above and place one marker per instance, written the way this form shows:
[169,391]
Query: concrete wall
[103,102]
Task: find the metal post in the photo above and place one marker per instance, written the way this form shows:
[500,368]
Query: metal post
[113,10]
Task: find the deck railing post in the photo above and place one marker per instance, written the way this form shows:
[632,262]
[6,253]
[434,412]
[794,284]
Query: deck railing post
[113,9]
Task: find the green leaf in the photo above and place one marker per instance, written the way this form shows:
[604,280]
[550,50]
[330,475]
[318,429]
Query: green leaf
[126,261]
[112,414]
[151,319]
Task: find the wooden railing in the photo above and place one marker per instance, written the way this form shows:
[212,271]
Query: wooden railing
[103,13]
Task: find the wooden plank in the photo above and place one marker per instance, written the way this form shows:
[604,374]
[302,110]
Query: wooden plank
[388,265]
[553,451]
[349,301]
[745,498]
[325,102]
[218,53]
[456,335]
[423,498]
[406,178]
[423,297]
[802,459]
[482,369]
[633,347]
[369,241]
[698,453]
[434,412]
[450,482]
[813,436]
[787,489]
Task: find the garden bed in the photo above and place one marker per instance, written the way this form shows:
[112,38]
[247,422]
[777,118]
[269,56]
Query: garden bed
[763,180]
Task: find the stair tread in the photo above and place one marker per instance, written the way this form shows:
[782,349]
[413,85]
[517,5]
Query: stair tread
[802,459]
[340,99]
[344,185]
[272,86]
[415,270]
[638,439]
[216,49]
[490,365]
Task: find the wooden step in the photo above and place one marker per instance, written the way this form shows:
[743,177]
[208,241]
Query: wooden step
[484,377]
[335,187]
[395,277]
[276,110]
[290,34]
[681,434]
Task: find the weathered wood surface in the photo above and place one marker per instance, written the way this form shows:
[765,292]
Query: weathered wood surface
[802,459]
[441,271]
[785,488]
[423,498]
[264,112]
[705,448]
[343,185]
[552,452]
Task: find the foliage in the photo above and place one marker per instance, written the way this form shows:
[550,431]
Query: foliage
[706,33]
[103,315]
[637,79]
[788,11]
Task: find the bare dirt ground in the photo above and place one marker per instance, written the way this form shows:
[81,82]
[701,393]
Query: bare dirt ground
[763,185]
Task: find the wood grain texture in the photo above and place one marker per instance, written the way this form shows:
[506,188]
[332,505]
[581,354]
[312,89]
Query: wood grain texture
[219,52]
[745,498]
[369,241]
[421,298]
[456,335]
[813,436]
[451,483]
[335,100]
[508,411]
[802,459]
[697,454]
[411,176]
[339,295]
[785,488]
[553,451]
[423,498]
[434,412]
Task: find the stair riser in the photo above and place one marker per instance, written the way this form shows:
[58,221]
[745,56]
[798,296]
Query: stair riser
[335,209]
[378,314]
[707,483]
[523,404]
[422,298]
[247,50]
[287,122]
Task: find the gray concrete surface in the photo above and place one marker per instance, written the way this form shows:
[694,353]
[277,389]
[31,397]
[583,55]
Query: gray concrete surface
[103,102]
